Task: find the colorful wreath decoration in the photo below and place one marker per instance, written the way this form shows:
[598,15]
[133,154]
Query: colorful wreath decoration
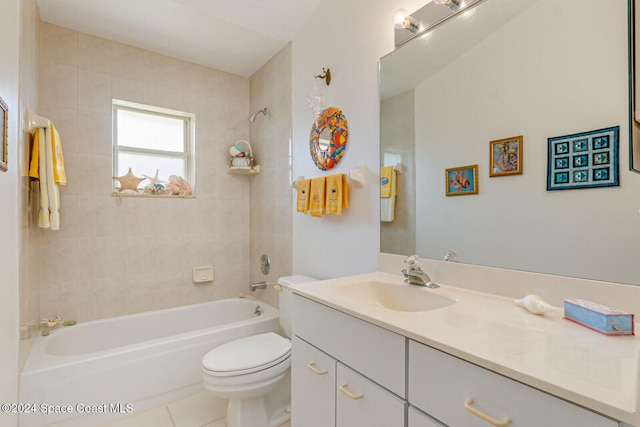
[332,119]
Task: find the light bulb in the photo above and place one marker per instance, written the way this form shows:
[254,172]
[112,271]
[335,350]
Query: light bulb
[399,15]
[401,19]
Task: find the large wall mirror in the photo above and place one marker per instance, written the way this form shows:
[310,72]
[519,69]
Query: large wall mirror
[536,68]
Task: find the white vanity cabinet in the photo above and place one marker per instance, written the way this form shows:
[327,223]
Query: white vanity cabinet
[459,393]
[366,365]
[378,378]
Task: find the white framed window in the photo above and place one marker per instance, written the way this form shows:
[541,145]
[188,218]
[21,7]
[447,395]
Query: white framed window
[149,139]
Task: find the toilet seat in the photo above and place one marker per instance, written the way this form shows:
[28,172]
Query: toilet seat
[247,355]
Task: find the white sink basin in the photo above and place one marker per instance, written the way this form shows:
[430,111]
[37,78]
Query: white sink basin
[399,297]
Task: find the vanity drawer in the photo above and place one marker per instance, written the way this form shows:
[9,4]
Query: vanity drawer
[362,403]
[444,386]
[375,352]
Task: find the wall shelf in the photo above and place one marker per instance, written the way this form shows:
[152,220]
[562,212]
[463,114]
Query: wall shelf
[244,170]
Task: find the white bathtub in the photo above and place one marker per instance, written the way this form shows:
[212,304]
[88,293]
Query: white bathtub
[98,371]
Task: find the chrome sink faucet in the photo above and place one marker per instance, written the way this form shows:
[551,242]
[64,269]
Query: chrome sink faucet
[414,275]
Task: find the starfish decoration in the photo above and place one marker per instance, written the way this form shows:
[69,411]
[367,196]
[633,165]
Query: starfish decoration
[129,181]
[154,179]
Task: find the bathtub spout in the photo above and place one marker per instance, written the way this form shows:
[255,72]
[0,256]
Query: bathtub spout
[259,285]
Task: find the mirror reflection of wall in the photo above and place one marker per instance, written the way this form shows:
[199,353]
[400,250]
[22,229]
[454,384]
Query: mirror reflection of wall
[397,135]
[537,68]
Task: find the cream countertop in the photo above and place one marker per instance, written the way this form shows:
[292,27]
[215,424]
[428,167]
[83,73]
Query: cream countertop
[546,352]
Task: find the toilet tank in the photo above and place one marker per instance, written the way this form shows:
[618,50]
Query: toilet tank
[285,299]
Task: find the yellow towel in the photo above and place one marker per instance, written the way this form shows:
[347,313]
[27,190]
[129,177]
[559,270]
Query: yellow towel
[59,174]
[47,165]
[337,194]
[317,200]
[345,192]
[35,156]
[387,181]
[302,202]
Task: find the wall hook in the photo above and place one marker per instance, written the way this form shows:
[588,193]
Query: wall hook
[326,76]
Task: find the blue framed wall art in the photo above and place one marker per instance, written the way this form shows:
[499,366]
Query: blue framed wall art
[583,160]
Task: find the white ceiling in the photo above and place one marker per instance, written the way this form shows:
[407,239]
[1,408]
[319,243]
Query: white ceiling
[237,36]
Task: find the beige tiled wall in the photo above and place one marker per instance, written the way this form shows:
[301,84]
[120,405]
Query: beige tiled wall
[115,256]
[271,194]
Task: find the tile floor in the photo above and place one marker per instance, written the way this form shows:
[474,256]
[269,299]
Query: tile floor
[199,410]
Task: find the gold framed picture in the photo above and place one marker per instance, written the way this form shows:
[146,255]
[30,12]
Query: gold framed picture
[3,134]
[462,180]
[506,156]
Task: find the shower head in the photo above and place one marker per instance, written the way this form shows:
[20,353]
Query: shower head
[252,118]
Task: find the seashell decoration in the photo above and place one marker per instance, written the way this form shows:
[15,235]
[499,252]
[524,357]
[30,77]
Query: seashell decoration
[534,304]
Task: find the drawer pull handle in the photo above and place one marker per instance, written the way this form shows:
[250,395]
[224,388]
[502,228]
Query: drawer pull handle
[312,368]
[467,405]
[343,388]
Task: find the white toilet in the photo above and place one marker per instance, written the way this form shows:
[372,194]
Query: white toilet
[253,372]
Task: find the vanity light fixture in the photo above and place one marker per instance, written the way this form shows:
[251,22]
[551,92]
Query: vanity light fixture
[453,4]
[423,20]
[401,19]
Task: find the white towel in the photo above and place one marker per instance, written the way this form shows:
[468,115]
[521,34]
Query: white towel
[387,209]
[43,215]
[52,187]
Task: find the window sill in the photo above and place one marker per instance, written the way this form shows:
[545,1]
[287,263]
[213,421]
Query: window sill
[150,196]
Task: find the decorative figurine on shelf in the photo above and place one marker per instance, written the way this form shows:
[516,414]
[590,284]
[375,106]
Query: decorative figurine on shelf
[154,179]
[155,186]
[178,186]
[129,182]
[155,189]
[49,324]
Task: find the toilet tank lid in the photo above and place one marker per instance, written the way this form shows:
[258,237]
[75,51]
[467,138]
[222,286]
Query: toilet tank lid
[295,280]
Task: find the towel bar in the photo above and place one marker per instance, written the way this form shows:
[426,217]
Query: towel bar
[33,121]
[355,176]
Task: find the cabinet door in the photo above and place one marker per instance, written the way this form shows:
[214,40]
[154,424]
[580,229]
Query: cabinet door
[362,403]
[313,385]
[418,419]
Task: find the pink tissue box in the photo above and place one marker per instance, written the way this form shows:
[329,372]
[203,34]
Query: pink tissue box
[601,318]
